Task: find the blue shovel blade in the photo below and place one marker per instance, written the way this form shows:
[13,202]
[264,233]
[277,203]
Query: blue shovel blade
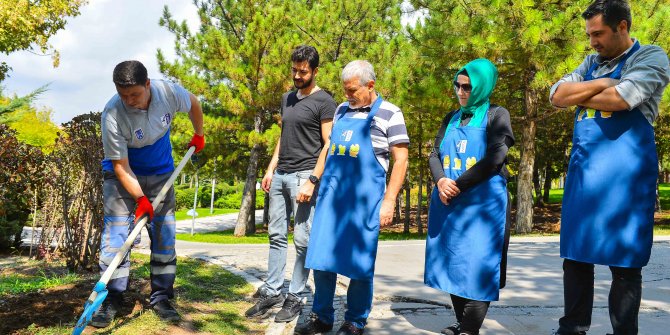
[90,308]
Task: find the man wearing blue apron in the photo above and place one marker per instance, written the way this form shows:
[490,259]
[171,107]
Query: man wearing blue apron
[608,205]
[354,200]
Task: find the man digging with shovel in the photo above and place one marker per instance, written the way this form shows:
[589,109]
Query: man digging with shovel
[138,162]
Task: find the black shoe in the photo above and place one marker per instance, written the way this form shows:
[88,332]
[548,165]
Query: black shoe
[454,329]
[290,310]
[568,333]
[165,311]
[105,314]
[312,327]
[348,328]
[264,305]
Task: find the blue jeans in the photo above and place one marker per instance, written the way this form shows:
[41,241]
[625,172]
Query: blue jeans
[359,299]
[283,191]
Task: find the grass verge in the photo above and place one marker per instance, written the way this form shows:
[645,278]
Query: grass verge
[202,212]
[227,237]
[209,299]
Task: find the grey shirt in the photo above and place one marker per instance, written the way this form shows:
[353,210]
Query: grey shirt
[644,76]
[142,136]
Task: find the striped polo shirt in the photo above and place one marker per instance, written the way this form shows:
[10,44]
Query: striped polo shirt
[387,129]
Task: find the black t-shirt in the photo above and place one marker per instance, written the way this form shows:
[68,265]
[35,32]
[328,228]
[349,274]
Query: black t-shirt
[301,141]
[499,138]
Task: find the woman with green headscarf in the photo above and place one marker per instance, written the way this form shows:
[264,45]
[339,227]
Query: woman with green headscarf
[468,219]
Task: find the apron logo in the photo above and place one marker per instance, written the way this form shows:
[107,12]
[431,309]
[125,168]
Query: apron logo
[461,146]
[588,113]
[457,164]
[353,150]
[139,134]
[446,162]
[165,120]
[471,161]
[332,149]
[341,149]
[346,135]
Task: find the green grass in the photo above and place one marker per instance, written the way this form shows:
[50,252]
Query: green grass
[209,298]
[203,212]
[556,196]
[23,283]
[213,299]
[664,195]
[227,237]
[399,236]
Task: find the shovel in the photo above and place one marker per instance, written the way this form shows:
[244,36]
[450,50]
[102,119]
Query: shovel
[100,289]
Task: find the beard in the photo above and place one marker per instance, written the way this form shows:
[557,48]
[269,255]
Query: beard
[300,84]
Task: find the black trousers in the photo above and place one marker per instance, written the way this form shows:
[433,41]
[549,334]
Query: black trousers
[623,302]
[470,313]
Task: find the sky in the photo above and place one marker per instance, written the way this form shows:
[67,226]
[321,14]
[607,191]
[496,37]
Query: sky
[106,33]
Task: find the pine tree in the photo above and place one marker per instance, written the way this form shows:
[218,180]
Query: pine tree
[238,62]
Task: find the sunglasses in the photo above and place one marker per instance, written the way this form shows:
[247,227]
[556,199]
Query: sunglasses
[465,87]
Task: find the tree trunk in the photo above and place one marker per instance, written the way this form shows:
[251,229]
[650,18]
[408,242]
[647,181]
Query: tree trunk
[537,188]
[524,211]
[407,206]
[396,216]
[547,184]
[244,224]
[251,221]
[420,199]
[420,195]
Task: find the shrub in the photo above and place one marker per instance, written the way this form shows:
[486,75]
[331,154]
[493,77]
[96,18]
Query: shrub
[184,197]
[20,171]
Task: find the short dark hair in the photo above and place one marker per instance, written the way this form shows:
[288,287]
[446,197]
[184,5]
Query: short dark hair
[130,73]
[306,53]
[613,11]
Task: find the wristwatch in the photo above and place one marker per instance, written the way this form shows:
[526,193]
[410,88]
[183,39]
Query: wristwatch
[314,179]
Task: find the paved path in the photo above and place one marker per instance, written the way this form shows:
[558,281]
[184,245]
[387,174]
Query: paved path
[530,304]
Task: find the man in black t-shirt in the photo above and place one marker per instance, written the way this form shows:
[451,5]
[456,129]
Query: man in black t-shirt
[292,179]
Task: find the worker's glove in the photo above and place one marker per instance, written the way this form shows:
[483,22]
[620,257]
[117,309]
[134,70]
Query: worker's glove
[144,208]
[198,142]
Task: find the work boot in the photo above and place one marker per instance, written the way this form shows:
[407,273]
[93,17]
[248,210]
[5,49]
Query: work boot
[264,305]
[291,308]
[106,312]
[313,326]
[454,329]
[165,311]
[348,328]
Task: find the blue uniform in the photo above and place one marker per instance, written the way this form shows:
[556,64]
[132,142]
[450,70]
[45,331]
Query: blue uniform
[143,137]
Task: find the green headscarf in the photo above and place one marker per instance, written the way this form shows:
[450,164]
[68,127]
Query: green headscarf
[483,77]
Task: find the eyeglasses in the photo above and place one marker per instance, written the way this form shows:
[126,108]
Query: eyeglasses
[465,87]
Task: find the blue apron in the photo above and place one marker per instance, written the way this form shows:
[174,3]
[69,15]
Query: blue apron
[608,205]
[465,239]
[345,228]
